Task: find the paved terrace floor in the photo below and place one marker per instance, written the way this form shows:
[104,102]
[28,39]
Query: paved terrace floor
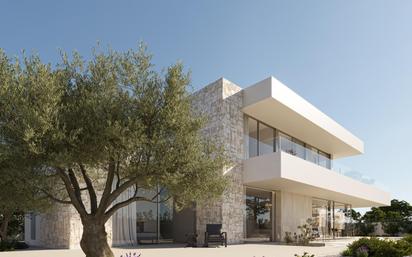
[332,248]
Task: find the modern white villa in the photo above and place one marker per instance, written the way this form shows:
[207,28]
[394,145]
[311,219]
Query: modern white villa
[282,152]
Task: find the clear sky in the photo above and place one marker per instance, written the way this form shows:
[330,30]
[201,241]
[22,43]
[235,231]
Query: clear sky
[351,59]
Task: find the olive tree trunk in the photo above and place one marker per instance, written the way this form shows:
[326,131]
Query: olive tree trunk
[4,225]
[94,239]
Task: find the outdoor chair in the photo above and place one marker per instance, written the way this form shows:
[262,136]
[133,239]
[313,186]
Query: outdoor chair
[214,234]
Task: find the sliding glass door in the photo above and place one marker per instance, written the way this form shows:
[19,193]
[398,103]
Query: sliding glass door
[259,213]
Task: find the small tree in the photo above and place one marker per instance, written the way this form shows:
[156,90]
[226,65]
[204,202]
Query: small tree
[395,218]
[106,125]
[392,225]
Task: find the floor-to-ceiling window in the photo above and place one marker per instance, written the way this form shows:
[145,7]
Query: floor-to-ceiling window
[320,218]
[146,217]
[259,213]
[165,217]
[261,139]
[342,220]
[33,226]
[252,137]
[330,218]
[266,139]
[154,220]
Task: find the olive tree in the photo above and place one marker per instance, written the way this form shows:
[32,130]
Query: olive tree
[103,126]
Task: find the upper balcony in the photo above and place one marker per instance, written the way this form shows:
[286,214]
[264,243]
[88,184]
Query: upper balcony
[287,172]
[278,106]
[276,161]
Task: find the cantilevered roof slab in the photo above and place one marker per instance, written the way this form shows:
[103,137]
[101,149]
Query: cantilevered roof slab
[276,105]
[285,172]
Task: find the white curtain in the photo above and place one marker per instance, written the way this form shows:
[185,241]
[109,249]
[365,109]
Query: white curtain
[124,222]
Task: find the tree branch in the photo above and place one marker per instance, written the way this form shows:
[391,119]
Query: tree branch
[135,198]
[104,201]
[76,187]
[69,188]
[117,173]
[117,206]
[55,198]
[90,188]
[123,187]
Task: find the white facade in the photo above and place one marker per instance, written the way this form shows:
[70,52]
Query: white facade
[296,163]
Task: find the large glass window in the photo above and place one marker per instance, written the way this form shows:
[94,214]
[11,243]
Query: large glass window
[299,148]
[339,219]
[320,218]
[252,137]
[261,139]
[331,219]
[258,213]
[324,160]
[165,216]
[286,144]
[33,225]
[146,217]
[266,139]
[312,154]
[154,220]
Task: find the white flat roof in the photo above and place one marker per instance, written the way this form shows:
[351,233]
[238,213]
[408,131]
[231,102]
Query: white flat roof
[275,104]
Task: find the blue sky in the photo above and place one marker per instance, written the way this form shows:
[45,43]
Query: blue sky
[351,59]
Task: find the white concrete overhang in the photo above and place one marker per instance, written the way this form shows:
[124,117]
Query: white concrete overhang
[276,105]
[285,172]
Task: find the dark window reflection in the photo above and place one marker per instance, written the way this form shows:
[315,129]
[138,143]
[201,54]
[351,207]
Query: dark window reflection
[258,213]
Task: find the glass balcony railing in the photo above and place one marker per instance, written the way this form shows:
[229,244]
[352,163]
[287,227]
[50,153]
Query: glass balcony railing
[352,173]
[302,151]
[317,157]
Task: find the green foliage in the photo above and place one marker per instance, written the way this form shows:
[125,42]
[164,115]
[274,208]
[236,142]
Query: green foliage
[306,233]
[351,213]
[392,228]
[365,228]
[15,227]
[16,197]
[395,218]
[408,239]
[305,254]
[289,238]
[374,215]
[7,245]
[110,119]
[375,247]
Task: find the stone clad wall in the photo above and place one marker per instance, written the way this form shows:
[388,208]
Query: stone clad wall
[54,228]
[221,102]
[61,227]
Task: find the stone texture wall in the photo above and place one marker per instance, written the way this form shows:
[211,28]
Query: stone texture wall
[54,228]
[61,227]
[221,102]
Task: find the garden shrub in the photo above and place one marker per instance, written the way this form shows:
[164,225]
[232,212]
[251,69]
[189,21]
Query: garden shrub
[9,245]
[305,254]
[375,247]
